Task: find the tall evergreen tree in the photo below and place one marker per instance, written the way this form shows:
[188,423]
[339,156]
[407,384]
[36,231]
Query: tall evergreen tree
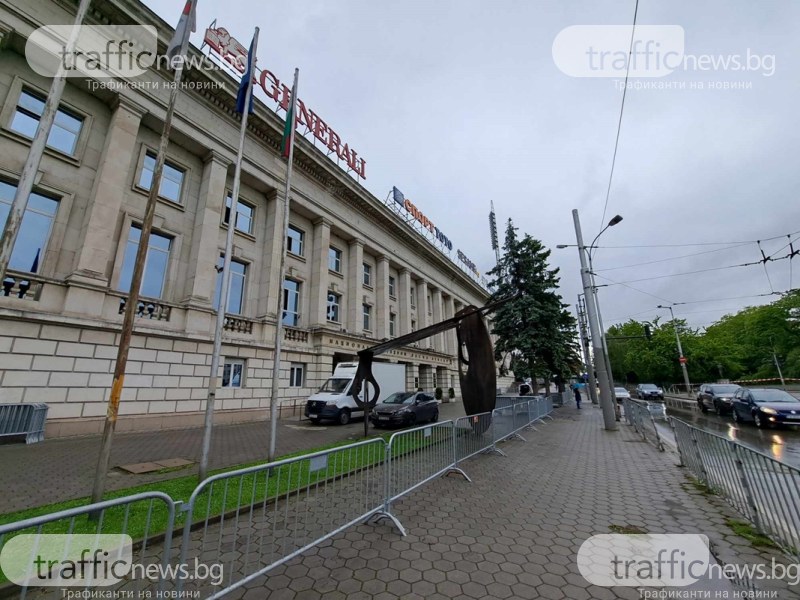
[534,328]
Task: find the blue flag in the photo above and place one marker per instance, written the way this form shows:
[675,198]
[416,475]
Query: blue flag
[247,80]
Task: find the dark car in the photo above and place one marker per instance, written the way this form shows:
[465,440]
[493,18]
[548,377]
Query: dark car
[765,407]
[405,408]
[649,391]
[716,396]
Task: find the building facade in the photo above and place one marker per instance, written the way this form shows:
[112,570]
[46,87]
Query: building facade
[356,273]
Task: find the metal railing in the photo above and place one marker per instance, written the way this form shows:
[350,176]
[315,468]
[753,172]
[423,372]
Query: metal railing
[251,520]
[765,491]
[639,414]
[148,518]
[23,419]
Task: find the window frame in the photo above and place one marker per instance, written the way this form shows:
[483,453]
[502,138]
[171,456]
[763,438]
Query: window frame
[337,304]
[146,152]
[366,274]
[129,224]
[366,313]
[8,113]
[392,287]
[335,255]
[284,296]
[226,210]
[413,293]
[293,368]
[218,286]
[392,324]
[302,233]
[242,374]
[51,230]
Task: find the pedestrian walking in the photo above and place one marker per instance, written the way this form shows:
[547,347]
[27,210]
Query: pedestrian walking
[578,396]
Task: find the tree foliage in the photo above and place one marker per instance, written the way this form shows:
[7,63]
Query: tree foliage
[534,328]
[738,346]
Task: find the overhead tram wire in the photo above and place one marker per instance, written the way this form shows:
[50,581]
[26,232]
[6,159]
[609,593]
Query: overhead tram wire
[621,111]
[689,244]
[652,262]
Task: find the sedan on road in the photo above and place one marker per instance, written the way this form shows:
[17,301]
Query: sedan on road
[716,396]
[765,407]
[649,391]
[620,393]
[405,408]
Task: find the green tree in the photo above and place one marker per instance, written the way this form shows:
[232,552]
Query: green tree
[534,328]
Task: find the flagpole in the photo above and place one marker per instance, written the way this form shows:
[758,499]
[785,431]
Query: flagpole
[136,282]
[31,168]
[226,274]
[276,363]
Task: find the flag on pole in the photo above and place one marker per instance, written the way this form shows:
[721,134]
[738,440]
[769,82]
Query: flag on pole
[247,81]
[186,25]
[288,129]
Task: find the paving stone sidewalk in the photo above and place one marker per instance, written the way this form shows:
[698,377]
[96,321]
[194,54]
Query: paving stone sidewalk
[63,469]
[516,530]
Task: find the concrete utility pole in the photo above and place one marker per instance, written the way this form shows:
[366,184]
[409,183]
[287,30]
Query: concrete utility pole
[585,347]
[606,402]
[681,357]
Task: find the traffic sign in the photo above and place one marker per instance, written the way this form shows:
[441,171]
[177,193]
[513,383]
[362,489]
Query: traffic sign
[682,360]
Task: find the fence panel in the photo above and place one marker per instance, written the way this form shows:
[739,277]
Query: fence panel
[148,518]
[254,519]
[473,434]
[762,489]
[638,414]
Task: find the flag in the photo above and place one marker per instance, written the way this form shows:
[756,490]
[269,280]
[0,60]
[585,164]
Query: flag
[288,129]
[35,265]
[186,25]
[247,81]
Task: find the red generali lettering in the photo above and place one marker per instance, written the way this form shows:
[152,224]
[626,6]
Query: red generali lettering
[234,53]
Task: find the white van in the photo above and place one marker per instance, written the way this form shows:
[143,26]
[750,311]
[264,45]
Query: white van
[333,400]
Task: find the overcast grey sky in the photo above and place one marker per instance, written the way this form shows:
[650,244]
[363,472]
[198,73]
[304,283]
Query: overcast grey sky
[459,102]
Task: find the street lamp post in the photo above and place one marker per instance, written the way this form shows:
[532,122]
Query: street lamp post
[682,358]
[585,348]
[606,400]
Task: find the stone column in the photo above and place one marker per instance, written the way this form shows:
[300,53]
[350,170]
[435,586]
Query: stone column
[450,336]
[207,236]
[318,298]
[404,302]
[353,297]
[422,306]
[111,181]
[382,298]
[270,289]
[436,297]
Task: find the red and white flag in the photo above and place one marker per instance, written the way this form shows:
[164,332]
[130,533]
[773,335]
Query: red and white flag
[186,25]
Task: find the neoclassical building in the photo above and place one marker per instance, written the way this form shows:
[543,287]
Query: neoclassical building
[356,273]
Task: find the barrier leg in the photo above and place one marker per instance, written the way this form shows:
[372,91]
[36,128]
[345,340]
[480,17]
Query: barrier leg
[454,468]
[386,511]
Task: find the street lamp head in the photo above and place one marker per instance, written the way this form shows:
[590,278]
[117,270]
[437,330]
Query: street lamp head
[562,246]
[615,220]
[661,306]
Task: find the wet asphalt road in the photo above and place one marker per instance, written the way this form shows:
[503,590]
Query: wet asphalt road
[782,444]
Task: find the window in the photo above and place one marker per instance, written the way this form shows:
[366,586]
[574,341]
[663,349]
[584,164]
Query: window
[63,134]
[413,297]
[367,310]
[233,373]
[171,178]
[367,274]
[155,263]
[34,232]
[334,301]
[297,374]
[335,259]
[391,287]
[236,292]
[244,214]
[413,325]
[294,240]
[291,302]
[392,324]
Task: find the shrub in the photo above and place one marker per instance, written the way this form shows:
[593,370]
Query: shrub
[451,393]
[438,393]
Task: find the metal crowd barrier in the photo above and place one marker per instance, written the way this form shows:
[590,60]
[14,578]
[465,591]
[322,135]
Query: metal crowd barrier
[639,415]
[23,419]
[762,489]
[251,520]
[149,519]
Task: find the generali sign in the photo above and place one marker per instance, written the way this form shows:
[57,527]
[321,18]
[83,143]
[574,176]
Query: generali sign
[234,53]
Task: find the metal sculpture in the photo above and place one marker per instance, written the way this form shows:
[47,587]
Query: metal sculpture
[478,383]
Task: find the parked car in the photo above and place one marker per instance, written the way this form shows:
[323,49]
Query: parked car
[765,407]
[649,391]
[716,396]
[620,393]
[405,408]
[657,409]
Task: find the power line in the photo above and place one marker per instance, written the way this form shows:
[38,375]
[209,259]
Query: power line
[652,262]
[689,244]
[621,110]
[612,282]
